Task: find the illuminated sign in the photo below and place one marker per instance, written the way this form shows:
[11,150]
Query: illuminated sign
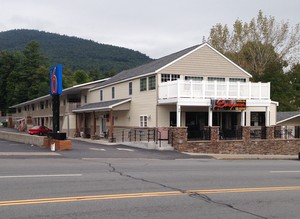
[228,104]
[56,80]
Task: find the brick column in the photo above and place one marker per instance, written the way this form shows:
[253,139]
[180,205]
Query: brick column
[214,134]
[246,134]
[179,138]
[270,130]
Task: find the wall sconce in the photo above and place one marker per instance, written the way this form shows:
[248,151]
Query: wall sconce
[149,117]
[128,117]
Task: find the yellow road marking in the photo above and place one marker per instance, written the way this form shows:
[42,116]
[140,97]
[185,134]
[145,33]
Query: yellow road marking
[143,195]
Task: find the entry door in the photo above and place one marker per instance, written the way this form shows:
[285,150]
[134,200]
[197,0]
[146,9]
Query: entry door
[103,126]
[195,122]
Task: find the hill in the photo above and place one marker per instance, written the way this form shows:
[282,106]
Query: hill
[73,52]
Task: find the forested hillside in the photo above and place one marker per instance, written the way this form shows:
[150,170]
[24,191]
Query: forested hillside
[73,52]
[27,55]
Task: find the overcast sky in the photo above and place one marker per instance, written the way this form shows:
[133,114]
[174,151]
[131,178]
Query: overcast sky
[153,27]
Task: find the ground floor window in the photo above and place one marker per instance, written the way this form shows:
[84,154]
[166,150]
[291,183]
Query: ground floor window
[258,118]
[173,119]
[143,121]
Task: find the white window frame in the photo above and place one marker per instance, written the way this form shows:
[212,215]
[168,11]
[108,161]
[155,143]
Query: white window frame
[143,121]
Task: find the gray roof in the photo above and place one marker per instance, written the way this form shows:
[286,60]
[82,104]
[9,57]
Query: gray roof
[150,67]
[284,116]
[104,106]
[70,90]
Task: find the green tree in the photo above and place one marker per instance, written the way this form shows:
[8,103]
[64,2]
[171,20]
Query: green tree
[81,77]
[9,62]
[263,32]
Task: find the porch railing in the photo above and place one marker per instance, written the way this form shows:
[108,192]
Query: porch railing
[214,90]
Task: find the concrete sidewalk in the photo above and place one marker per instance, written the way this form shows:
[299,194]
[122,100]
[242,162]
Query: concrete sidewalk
[247,156]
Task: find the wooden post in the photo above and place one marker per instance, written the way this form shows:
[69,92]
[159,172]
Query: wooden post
[111,128]
[94,117]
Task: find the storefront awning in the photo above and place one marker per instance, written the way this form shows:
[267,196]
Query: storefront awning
[101,106]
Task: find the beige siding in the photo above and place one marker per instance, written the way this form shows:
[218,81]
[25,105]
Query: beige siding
[164,115]
[204,62]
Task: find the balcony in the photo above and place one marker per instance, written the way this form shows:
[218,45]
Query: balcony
[213,90]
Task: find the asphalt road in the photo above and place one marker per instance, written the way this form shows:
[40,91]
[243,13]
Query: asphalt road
[97,181]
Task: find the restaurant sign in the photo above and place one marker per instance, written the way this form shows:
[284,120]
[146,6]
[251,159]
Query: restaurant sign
[228,104]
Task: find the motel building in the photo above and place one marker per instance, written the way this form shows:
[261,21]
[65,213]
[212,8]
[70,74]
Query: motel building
[196,88]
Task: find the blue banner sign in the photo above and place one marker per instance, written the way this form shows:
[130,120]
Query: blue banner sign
[56,80]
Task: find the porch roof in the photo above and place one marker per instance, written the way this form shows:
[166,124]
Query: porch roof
[100,106]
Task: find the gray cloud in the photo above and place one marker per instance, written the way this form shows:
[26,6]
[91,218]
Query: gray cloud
[156,27]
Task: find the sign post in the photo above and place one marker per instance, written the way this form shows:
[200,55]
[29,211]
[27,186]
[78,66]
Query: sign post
[55,92]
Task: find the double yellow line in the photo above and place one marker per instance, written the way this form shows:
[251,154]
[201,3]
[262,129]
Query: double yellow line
[143,195]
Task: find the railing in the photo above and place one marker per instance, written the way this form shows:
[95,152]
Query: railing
[214,90]
[287,132]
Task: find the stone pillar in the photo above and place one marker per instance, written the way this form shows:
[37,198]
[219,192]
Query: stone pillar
[270,130]
[178,137]
[214,134]
[246,134]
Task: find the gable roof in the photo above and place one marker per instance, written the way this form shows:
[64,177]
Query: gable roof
[70,90]
[157,65]
[285,116]
[148,68]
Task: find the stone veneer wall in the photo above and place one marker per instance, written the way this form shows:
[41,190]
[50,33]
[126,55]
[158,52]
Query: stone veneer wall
[270,145]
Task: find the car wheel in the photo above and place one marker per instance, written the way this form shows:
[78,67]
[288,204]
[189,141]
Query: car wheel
[40,134]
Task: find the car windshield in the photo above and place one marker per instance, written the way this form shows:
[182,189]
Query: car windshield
[35,127]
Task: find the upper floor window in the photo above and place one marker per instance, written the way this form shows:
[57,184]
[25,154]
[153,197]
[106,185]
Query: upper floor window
[113,93]
[169,77]
[47,104]
[151,82]
[130,88]
[32,107]
[101,95]
[143,84]
[19,110]
[237,80]
[41,105]
[85,99]
[216,79]
[194,78]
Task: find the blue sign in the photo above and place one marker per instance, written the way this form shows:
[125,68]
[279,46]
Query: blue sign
[56,80]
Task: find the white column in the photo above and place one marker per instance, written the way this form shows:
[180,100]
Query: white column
[267,116]
[178,115]
[210,115]
[243,116]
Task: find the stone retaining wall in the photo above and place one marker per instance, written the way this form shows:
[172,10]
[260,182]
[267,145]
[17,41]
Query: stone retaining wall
[270,145]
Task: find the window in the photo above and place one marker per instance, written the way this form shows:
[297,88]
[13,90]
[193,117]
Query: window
[113,93]
[143,121]
[169,77]
[237,80]
[216,79]
[47,104]
[151,83]
[143,84]
[130,88]
[101,95]
[19,110]
[32,107]
[194,78]
[41,105]
[174,77]
[85,99]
